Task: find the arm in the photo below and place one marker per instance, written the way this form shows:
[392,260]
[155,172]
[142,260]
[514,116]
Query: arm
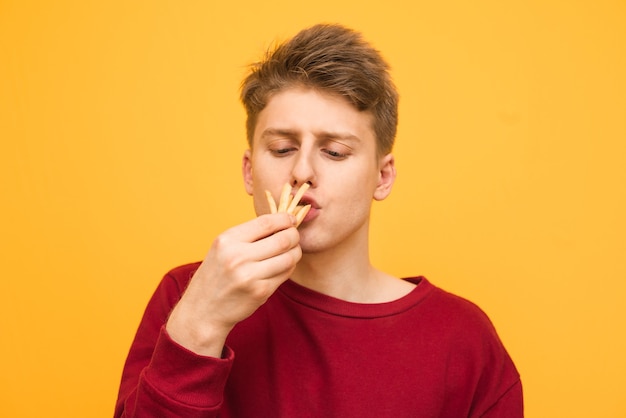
[510,405]
[499,388]
[178,363]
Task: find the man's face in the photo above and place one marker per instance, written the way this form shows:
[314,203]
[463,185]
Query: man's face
[303,136]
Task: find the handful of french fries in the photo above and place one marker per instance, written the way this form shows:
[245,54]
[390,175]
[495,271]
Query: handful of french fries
[289,203]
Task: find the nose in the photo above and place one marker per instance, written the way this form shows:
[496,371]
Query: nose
[303,170]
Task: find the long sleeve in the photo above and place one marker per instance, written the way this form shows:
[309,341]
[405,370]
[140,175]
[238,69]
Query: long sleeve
[510,405]
[162,378]
[307,354]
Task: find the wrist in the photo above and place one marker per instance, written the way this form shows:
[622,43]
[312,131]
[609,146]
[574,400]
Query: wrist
[196,335]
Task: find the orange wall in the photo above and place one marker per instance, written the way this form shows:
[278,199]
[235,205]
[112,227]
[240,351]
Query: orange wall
[121,142]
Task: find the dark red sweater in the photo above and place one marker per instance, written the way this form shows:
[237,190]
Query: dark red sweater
[305,354]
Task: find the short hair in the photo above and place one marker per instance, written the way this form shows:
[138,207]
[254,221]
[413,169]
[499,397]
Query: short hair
[333,59]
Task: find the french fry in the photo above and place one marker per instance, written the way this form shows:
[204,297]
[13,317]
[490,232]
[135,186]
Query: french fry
[301,213]
[271,202]
[296,199]
[284,198]
[289,203]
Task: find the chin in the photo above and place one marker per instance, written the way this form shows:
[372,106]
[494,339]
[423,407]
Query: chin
[315,243]
[312,246]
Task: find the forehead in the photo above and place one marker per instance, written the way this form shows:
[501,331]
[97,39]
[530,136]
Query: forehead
[307,111]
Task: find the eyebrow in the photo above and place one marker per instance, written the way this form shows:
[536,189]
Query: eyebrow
[338,135]
[325,135]
[269,132]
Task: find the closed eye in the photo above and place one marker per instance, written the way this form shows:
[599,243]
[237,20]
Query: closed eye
[335,154]
[280,152]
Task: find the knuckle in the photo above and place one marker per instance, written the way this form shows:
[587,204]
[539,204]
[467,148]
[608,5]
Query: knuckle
[283,241]
[220,242]
[231,262]
[297,254]
[260,292]
[290,259]
[240,281]
[265,223]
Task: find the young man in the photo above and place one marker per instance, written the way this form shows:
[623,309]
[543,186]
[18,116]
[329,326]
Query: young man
[279,321]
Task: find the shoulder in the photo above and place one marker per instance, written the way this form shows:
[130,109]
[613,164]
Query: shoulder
[184,272]
[457,322]
[169,290]
[475,348]
[456,310]
[179,277]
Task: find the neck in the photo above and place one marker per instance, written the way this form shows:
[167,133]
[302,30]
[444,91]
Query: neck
[343,271]
[343,282]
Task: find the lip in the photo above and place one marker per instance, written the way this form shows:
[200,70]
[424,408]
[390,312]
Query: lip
[315,208]
[308,200]
[311,214]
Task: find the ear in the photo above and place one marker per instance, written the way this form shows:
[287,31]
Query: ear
[246,169]
[386,177]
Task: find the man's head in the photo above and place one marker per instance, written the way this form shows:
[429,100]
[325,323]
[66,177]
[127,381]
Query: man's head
[334,60]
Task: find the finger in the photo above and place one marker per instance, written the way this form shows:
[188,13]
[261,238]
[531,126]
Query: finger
[278,267]
[273,245]
[261,227]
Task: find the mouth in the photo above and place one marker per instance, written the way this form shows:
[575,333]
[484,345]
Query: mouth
[297,204]
[308,200]
[313,212]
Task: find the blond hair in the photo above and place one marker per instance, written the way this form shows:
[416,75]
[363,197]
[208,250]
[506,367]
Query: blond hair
[332,59]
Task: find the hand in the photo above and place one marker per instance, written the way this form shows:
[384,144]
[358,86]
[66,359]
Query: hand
[243,268]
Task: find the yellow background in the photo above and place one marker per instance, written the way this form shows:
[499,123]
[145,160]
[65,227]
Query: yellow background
[121,140]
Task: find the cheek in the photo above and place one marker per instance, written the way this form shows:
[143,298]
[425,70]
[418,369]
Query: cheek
[261,207]
[357,207]
[358,193]
[357,182]
[352,202]
[261,184]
